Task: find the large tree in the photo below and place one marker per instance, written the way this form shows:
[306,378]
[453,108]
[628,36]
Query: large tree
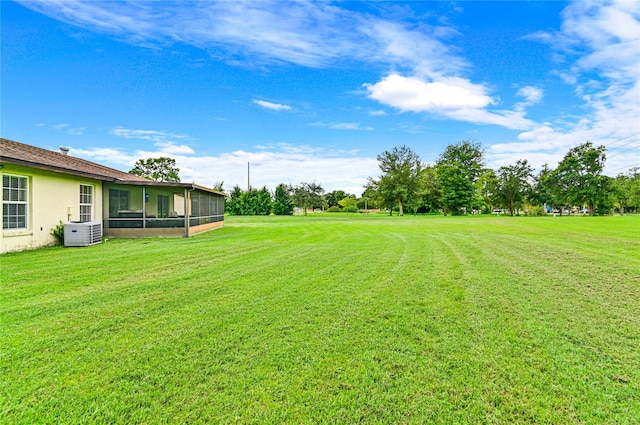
[261,201]
[486,190]
[430,191]
[282,200]
[579,174]
[334,197]
[458,168]
[550,190]
[634,188]
[626,190]
[381,197]
[541,192]
[161,169]
[369,199]
[513,183]
[233,204]
[308,195]
[349,202]
[400,179]
[250,202]
[428,196]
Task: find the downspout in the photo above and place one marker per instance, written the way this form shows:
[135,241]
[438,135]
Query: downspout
[104,214]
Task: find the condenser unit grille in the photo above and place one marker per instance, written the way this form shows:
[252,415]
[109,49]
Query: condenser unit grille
[82,233]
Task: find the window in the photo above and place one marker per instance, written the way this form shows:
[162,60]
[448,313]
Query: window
[118,201]
[15,195]
[163,206]
[86,202]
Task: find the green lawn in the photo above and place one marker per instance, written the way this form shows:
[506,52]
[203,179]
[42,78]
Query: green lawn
[330,319]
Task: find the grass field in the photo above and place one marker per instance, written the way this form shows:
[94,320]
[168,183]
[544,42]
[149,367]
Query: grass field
[330,319]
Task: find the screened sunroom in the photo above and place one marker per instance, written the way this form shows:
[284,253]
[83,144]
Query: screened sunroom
[140,209]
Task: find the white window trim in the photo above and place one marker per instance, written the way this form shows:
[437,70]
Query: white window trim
[83,204]
[9,202]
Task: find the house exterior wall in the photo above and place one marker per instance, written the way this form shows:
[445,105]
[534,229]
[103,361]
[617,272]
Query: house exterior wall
[52,197]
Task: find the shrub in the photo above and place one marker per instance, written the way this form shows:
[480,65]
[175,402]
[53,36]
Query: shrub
[334,208]
[534,210]
[350,209]
[58,232]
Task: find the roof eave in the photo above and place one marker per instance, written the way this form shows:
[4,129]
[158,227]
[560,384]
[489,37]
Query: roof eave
[63,170]
[134,181]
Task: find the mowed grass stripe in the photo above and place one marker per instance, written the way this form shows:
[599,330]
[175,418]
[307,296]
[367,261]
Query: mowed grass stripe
[329,320]
[559,295]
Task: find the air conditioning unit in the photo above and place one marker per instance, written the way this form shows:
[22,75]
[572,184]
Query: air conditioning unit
[82,233]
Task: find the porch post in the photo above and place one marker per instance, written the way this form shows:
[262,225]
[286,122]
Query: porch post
[144,207]
[187,203]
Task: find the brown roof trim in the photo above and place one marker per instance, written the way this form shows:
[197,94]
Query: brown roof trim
[12,152]
[56,169]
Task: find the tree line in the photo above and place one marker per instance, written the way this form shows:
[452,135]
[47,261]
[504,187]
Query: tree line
[259,201]
[457,183]
[285,198]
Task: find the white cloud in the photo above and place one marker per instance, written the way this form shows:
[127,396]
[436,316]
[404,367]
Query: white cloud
[169,148]
[165,141]
[531,94]
[76,131]
[270,165]
[117,157]
[272,106]
[162,139]
[378,113]
[311,34]
[606,36]
[598,43]
[416,95]
[419,50]
[72,131]
[332,170]
[546,143]
[514,120]
[151,135]
[343,126]
[411,127]
[451,97]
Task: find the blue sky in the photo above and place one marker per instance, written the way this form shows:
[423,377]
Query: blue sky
[313,91]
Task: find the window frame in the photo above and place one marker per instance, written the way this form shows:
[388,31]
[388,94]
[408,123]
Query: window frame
[86,203]
[163,206]
[20,203]
[118,197]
